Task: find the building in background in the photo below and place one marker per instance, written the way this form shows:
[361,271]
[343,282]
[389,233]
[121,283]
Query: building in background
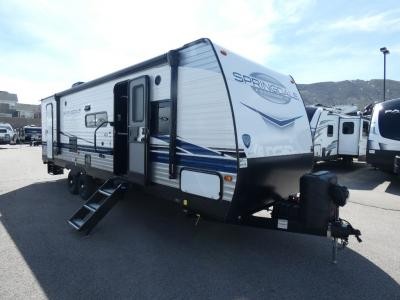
[8,98]
[30,111]
[18,114]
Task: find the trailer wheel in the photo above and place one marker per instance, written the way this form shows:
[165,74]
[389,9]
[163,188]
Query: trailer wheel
[72,182]
[86,186]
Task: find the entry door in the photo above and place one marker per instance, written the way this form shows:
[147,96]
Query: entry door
[138,129]
[362,146]
[349,135]
[49,130]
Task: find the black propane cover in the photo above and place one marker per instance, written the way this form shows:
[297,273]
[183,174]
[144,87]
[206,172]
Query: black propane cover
[320,196]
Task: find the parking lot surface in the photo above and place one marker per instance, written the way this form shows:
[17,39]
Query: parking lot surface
[145,248]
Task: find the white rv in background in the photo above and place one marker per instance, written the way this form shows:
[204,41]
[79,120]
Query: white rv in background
[337,135]
[384,136]
[216,133]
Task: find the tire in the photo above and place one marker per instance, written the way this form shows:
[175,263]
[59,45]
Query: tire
[72,183]
[86,186]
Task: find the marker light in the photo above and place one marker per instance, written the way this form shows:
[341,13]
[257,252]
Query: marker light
[228,178]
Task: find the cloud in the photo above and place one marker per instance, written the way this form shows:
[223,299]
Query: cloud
[69,41]
[62,42]
[48,45]
[388,21]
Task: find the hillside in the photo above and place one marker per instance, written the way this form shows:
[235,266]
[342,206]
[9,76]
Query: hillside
[358,92]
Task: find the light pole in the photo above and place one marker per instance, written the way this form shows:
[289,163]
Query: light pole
[385,51]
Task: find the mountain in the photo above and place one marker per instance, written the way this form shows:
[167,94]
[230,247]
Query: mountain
[357,92]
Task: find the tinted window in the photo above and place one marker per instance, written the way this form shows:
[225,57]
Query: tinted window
[310,112]
[160,117]
[100,118]
[389,120]
[365,130]
[90,120]
[348,128]
[95,119]
[330,130]
[138,103]
[32,130]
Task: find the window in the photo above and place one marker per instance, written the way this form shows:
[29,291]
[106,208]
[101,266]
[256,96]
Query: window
[160,117]
[310,112]
[157,80]
[138,103]
[348,128]
[33,130]
[95,119]
[365,128]
[389,120]
[91,120]
[100,118]
[330,130]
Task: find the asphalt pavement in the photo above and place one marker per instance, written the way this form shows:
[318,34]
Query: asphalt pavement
[145,248]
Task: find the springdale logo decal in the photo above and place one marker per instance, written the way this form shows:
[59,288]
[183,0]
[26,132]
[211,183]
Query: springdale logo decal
[267,87]
[268,119]
[392,111]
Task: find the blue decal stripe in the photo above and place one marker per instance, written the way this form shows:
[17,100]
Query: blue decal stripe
[192,148]
[205,163]
[86,148]
[280,123]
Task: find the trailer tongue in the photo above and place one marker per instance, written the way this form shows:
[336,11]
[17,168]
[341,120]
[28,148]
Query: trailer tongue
[315,211]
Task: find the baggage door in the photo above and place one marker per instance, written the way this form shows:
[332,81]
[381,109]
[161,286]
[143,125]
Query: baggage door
[49,131]
[138,129]
[349,135]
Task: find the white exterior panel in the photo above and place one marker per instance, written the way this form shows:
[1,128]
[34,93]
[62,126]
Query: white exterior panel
[270,115]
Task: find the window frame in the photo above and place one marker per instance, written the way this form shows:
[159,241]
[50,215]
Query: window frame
[365,129]
[352,127]
[329,133]
[134,101]
[155,116]
[95,119]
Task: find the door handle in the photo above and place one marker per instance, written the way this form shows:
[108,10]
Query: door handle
[142,134]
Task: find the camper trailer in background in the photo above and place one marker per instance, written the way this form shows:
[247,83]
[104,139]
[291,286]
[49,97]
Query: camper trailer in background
[218,134]
[338,133]
[31,134]
[384,136]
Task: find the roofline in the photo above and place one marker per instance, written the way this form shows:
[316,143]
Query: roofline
[156,61]
[147,64]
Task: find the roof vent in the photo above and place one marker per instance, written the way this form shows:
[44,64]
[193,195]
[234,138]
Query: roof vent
[77,83]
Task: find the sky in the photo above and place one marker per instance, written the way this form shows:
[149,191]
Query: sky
[47,45]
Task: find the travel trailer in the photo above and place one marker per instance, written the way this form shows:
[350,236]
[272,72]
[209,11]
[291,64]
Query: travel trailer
[384,136]
[31,134]
[337,135]
[216,133]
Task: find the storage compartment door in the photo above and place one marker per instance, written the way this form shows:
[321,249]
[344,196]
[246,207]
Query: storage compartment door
[202,184]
